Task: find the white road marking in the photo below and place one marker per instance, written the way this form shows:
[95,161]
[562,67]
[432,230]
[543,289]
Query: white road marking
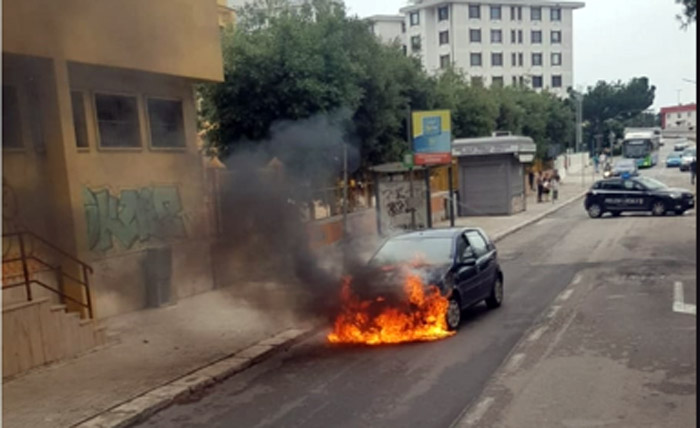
[679,304]
[577,279]
[566,294]
[553,311]
[515,362]
[476,413]
[537,334]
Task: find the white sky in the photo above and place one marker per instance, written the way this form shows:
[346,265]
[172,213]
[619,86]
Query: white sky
[616,39]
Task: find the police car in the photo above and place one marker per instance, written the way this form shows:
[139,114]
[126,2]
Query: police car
[640,193]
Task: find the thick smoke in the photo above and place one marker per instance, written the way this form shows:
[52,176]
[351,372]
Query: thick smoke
[264,230]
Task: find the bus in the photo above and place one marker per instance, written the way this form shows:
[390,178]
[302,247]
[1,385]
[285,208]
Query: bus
[643,146]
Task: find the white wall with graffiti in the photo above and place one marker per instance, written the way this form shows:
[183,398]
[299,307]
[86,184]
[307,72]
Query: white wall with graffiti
[396,204]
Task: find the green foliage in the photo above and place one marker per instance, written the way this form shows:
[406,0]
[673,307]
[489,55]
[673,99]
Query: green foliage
[690,12]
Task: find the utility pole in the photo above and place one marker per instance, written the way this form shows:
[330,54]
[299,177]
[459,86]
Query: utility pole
[679,96]
[345,189]
[579,130]
[410,169]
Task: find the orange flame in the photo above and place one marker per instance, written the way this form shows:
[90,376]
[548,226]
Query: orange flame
[420,317]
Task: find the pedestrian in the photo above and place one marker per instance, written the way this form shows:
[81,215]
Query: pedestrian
[603,159]
[546,185]
[693,171]
[540,186]
[531,179]
[555,185]
[595,162]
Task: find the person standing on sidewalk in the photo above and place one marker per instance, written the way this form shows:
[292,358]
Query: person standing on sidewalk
[693,165]
[554,185]
[531,179]
[540,186]
[595,162]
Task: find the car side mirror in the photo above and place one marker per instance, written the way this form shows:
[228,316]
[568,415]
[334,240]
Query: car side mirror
[468,261]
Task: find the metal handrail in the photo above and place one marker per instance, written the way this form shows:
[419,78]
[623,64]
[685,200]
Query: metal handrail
[23,258]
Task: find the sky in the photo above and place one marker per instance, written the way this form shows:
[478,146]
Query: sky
[617,40]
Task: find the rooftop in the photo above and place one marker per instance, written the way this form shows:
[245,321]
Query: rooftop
[422,4]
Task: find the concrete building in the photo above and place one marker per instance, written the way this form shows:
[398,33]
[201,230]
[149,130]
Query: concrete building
[100,164]
[516,42]
[679,118]
[389,28]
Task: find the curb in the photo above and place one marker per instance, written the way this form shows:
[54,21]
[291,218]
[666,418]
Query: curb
[145,405]
[538,217]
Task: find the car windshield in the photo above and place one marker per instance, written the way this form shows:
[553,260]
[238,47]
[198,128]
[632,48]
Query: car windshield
[402,250]
[651,183]
[636,148]
[624,164]
[689,152]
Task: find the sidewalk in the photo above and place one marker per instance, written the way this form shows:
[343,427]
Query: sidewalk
[154,347]
[499,226]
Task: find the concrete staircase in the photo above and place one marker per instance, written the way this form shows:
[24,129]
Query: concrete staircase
[43,332]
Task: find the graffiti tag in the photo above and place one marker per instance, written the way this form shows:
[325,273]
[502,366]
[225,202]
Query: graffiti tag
[136,215]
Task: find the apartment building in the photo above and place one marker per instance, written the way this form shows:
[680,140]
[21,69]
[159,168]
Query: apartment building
[679,118]
[389,28]
[495,42]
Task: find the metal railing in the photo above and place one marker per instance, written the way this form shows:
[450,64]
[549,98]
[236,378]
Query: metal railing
[27,255]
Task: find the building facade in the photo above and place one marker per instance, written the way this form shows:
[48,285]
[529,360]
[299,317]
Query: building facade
[495,42]
[679,118]
[388,28]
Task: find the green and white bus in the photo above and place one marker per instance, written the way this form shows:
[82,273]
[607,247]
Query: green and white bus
[643,147]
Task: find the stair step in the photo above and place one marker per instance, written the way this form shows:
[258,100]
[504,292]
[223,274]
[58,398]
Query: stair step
[85,321]
[57,308]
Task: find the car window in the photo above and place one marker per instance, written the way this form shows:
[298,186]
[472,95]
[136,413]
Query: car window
[476,241]
[426,250]
[628,185]
[612,185]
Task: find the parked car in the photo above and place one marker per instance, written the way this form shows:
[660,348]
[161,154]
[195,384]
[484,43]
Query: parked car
[641,193]
[625,167]
[673,160]
[462,262]
[687,157]
[680,146]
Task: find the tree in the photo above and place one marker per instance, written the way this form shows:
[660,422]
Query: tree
[689,14]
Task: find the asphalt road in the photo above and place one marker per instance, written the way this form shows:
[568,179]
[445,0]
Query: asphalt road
[315,384]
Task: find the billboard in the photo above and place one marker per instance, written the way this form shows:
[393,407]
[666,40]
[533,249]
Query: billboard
[432,137]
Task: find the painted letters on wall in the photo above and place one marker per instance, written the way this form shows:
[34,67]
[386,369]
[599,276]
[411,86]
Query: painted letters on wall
[136,215]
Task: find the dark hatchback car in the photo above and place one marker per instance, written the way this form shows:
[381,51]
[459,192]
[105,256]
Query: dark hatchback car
[617,195]
[462,262]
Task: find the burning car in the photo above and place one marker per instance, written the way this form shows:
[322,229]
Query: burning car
[416,286]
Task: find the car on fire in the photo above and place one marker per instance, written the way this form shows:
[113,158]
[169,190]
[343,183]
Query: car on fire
[640,194]
[461,262]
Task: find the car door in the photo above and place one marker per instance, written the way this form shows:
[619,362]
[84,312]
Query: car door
[633,196]
[466,276]
[611,195]
[485,263]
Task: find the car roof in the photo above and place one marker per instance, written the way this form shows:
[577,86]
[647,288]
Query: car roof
[449,232]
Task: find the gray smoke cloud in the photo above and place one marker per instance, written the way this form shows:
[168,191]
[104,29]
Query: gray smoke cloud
[264,231]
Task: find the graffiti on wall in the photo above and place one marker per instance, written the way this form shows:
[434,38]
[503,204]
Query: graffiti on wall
[136,215]
[396,205]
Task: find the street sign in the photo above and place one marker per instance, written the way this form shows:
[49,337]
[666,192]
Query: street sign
[432,137]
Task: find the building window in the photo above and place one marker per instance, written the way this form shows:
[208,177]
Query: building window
[475,11]
[536,81]
[689,114]
[520,59]
[520,37]
[475,35]
[516,13]
[444,37]
[497,81]
[536,59]
[556,81]
[444,61]
[496,59]
[477,81]
[512,36]
[415,18]
[556,36]
[513,60]
[536,36]
[415,43]
[556,58]
[535,14]
[11,123]
[405,50]
[475,59]
[443,13]
[79,119]
[555,14]
[496,13]
[166,122]
[496,36]
[515,80]
[117,120]
[403,27]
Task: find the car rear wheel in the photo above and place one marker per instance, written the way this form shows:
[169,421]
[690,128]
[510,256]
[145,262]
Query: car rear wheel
[496,297]
[595,211]
[454,314]
[658,208]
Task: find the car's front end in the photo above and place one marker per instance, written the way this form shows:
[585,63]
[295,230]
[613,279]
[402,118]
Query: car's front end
[685,163]
[678,200]
[673,161]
